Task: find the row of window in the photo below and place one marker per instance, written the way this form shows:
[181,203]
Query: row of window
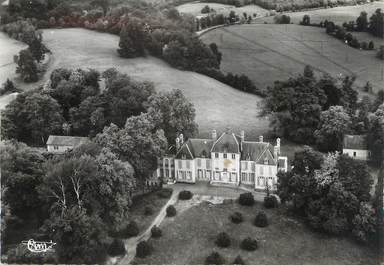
[225,155]
[184,175]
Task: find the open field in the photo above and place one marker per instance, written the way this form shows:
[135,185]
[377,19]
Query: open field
[337,14]
[266,52]
[217,105]
[189,238]
[195,9]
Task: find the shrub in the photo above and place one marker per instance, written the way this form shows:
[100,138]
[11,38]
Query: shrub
[223,240]
[261,220]
[156,232]
[214,259]
[247,199]
[206,9]
[238,261]
[130,230]
[236,217]
[282,19]
[171,211]
[371,45]
[143,249]
[148,210]
[8,87]
[116,248]
[165,193]
[270,202]
[185,195]
[249,244]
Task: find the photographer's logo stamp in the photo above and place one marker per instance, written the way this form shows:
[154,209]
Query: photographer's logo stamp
[38,246]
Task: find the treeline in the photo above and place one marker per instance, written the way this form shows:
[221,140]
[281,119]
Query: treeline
[28,59]
[320,111]
[332,193]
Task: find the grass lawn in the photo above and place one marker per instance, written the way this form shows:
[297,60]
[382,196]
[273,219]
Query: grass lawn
[189,237]
[266,52]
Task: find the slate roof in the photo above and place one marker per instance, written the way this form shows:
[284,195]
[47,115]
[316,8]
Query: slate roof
[66,140]
[358,142]
[195,148]
[227,142]
[258,152]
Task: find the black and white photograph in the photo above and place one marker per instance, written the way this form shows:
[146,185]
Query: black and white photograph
[192,132]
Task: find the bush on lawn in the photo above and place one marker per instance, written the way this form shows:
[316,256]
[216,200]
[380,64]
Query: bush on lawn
[238,261]
[223,240]
[143,249]
[247,199]
[185,195]
[148,210]
[171,211]
[214,259]
[130,230]
[270,202]
[165,193]
[261,220]
[156,232]
[116,248]
[249,244]
[236,217]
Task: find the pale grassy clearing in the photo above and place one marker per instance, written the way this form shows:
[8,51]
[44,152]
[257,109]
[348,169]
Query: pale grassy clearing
[267,52]
[195,9]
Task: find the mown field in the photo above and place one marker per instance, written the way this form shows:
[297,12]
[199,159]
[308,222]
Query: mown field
[217,105]
[267,52]
[189,238]
[195,9]
[337,14]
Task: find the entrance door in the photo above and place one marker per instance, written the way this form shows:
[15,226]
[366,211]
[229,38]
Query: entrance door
[200,174]
[224,176]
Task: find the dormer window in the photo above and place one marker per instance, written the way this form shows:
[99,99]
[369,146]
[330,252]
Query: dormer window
[266,161]
[233,156]
[225,155]
[216,155]
[248,157]
[183,156]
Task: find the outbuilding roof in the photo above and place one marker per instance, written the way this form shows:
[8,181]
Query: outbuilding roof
[358,142]
[195,148]
[66,140]
[258,152]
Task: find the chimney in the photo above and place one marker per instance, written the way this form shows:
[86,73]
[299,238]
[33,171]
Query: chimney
[261,138]
[181,137]
[214,134]
[275,152]
[242,136]
[177,144]
[278,146]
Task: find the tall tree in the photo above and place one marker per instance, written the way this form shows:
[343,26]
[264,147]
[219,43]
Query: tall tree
[177,114]
[334,123]
[27,67]
[31,118]
[132,38]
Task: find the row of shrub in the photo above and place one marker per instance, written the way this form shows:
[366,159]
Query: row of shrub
[261,219]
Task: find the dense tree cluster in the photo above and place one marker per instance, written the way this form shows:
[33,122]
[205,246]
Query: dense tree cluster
[331,192]
[298,107]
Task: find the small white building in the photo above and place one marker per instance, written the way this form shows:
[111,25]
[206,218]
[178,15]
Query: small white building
[356,146]
[60,144]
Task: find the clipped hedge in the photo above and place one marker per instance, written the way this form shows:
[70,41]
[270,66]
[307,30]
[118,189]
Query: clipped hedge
[116,248]
[236,218]
[185,195]
[171,211]
[214,259]
[238,261]
[131,230]
[143,249]
[223,240]
[246,199]
[270,202]
[249,244]
[156,232]
[261,220]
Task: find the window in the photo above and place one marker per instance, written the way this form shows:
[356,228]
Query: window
[216,155]
[244,165]
[225,169]
[261,170]
[188,164]
[261,181]
[233,156]
[233,177]
[270,171]
[266,161]
[199,162]
[252,177]
[208,174]
[180,164]
[183,156]
[354,154]
[225,155]
[208,163]
[243,176]
[55,147]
